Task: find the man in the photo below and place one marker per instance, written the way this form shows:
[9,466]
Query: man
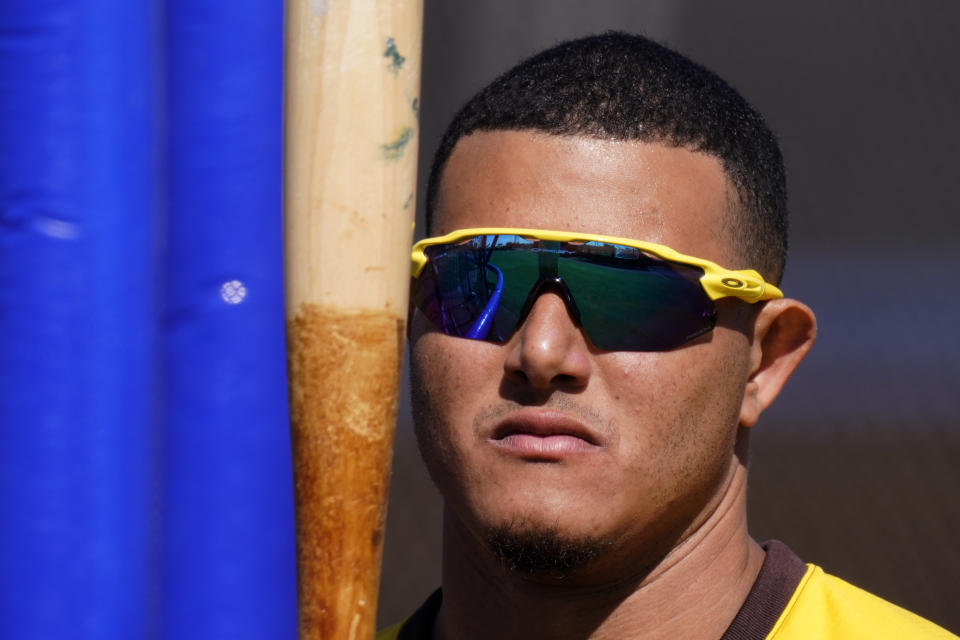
[596,329]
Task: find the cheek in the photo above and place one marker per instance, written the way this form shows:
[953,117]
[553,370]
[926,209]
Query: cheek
[446,375]
[429,401]
[689,409]
[449,375]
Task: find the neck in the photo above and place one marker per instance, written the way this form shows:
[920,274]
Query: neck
[694,591]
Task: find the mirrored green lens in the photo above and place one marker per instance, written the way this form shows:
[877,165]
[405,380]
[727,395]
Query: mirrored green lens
[623,298]
[639,304]
[457,284]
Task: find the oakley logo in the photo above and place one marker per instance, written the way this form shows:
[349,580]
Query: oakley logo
[732,282]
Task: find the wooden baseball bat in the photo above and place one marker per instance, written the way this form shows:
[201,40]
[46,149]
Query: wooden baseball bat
[352,81]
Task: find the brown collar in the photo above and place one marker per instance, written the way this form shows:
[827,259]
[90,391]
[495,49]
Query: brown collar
[778,579]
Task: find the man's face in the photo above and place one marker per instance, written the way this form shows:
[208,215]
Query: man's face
[546,433]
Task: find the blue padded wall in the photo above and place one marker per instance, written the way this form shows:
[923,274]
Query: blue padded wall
[145,483]
[79,543]
[229,541]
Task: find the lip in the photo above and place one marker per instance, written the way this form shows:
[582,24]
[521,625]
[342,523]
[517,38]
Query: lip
[543,436]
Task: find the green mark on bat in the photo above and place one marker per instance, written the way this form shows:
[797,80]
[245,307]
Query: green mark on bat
[415,105]
[396,60]
[394,150]
[406,205]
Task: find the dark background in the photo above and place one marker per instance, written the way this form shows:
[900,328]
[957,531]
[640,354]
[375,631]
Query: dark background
[856,465]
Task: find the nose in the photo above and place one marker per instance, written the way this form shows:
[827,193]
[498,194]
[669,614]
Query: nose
[549,350]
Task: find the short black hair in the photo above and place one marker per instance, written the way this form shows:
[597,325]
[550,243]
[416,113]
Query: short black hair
[622,86]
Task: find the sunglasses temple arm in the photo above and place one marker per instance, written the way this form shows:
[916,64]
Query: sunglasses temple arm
[481,326]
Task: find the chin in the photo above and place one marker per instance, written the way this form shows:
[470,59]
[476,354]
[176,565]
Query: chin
[538,550]
[539,542]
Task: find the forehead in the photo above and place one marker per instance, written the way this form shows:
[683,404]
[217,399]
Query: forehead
[646,191]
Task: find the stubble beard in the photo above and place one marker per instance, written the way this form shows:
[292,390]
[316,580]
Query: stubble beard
[541,552]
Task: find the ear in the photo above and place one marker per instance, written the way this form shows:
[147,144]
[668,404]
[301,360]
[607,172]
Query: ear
[783,332]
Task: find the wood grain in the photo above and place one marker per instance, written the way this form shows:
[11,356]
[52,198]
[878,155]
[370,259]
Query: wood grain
[351,119]
[350,150]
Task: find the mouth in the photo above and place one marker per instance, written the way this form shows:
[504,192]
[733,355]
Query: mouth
[543,436]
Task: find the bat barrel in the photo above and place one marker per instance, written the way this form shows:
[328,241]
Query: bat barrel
[351,110]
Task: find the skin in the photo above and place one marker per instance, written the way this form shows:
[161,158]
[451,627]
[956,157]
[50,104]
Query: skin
[656,475]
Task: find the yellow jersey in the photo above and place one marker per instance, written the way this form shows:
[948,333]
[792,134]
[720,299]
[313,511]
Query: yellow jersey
[790,600]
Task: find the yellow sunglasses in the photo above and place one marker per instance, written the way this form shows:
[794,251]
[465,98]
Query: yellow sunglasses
[627,295]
